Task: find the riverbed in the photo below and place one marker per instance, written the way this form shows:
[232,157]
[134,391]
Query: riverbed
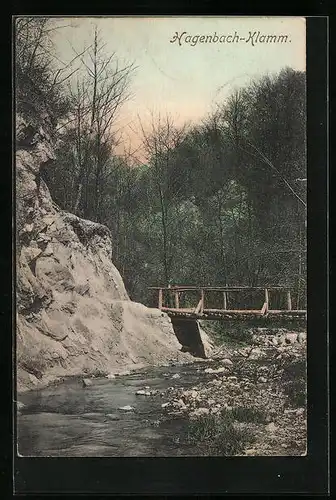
[72,421]
[258,392]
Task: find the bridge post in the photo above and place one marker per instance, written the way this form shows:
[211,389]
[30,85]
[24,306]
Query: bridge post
[266,299]
[224,301]
[160,298]
[177,303]
[289,301]
[202,301]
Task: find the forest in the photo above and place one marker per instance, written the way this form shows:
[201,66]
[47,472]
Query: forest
[221,202]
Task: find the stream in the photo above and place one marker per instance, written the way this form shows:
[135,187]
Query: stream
[69,420]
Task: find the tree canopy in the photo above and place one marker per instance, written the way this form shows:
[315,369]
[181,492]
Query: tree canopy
[220,202]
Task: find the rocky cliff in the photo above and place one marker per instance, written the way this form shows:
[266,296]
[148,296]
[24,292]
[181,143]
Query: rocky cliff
[74,316]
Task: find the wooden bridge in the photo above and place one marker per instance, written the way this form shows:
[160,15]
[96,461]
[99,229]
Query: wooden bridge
[227,303]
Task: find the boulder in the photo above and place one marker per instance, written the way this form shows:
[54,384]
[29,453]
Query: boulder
[221,369]
[256,353]
[112,416]
[86,382]
[200,412]
[250,452]
[215,382]
[208,370]
[192,394]
[142,392]
[123,373]
[179,404]
[301,337]
[126,408]
[291,338]
[271,427]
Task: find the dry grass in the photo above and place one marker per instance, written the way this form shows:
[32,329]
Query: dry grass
[249,414]
[217,435]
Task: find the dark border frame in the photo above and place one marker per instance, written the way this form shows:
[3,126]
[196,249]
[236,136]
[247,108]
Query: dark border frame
[236,475]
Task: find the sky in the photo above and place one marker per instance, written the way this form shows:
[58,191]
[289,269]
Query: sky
[178,76]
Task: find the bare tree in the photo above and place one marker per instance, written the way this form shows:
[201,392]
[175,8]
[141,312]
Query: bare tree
[81,111]
[96,96]
[160,142]
[40,73]
[103,91]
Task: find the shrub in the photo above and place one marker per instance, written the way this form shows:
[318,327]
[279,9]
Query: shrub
[248,414]
[229,332]
[38,91]
[296,392]
[217,435]
[97,372]
[294,382]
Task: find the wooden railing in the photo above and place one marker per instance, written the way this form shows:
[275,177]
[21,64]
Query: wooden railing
[173,294]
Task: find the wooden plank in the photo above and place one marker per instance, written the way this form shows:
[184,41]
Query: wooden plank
[160,298]
[232,311]
[289,301]
[220,315]
[290,312]
[239,312]
[218,288]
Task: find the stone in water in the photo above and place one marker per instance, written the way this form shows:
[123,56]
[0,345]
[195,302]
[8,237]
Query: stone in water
[126,408]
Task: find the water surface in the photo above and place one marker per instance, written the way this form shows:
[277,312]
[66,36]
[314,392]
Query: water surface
[69,420]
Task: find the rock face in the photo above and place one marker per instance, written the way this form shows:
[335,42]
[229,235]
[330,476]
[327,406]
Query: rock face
[74,316]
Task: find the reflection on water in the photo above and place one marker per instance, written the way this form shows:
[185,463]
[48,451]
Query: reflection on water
[68,420]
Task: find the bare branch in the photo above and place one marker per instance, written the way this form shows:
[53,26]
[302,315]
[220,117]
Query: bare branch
[270,164]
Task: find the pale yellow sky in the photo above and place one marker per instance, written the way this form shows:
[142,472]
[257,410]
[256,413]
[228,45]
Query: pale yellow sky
[183,80]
